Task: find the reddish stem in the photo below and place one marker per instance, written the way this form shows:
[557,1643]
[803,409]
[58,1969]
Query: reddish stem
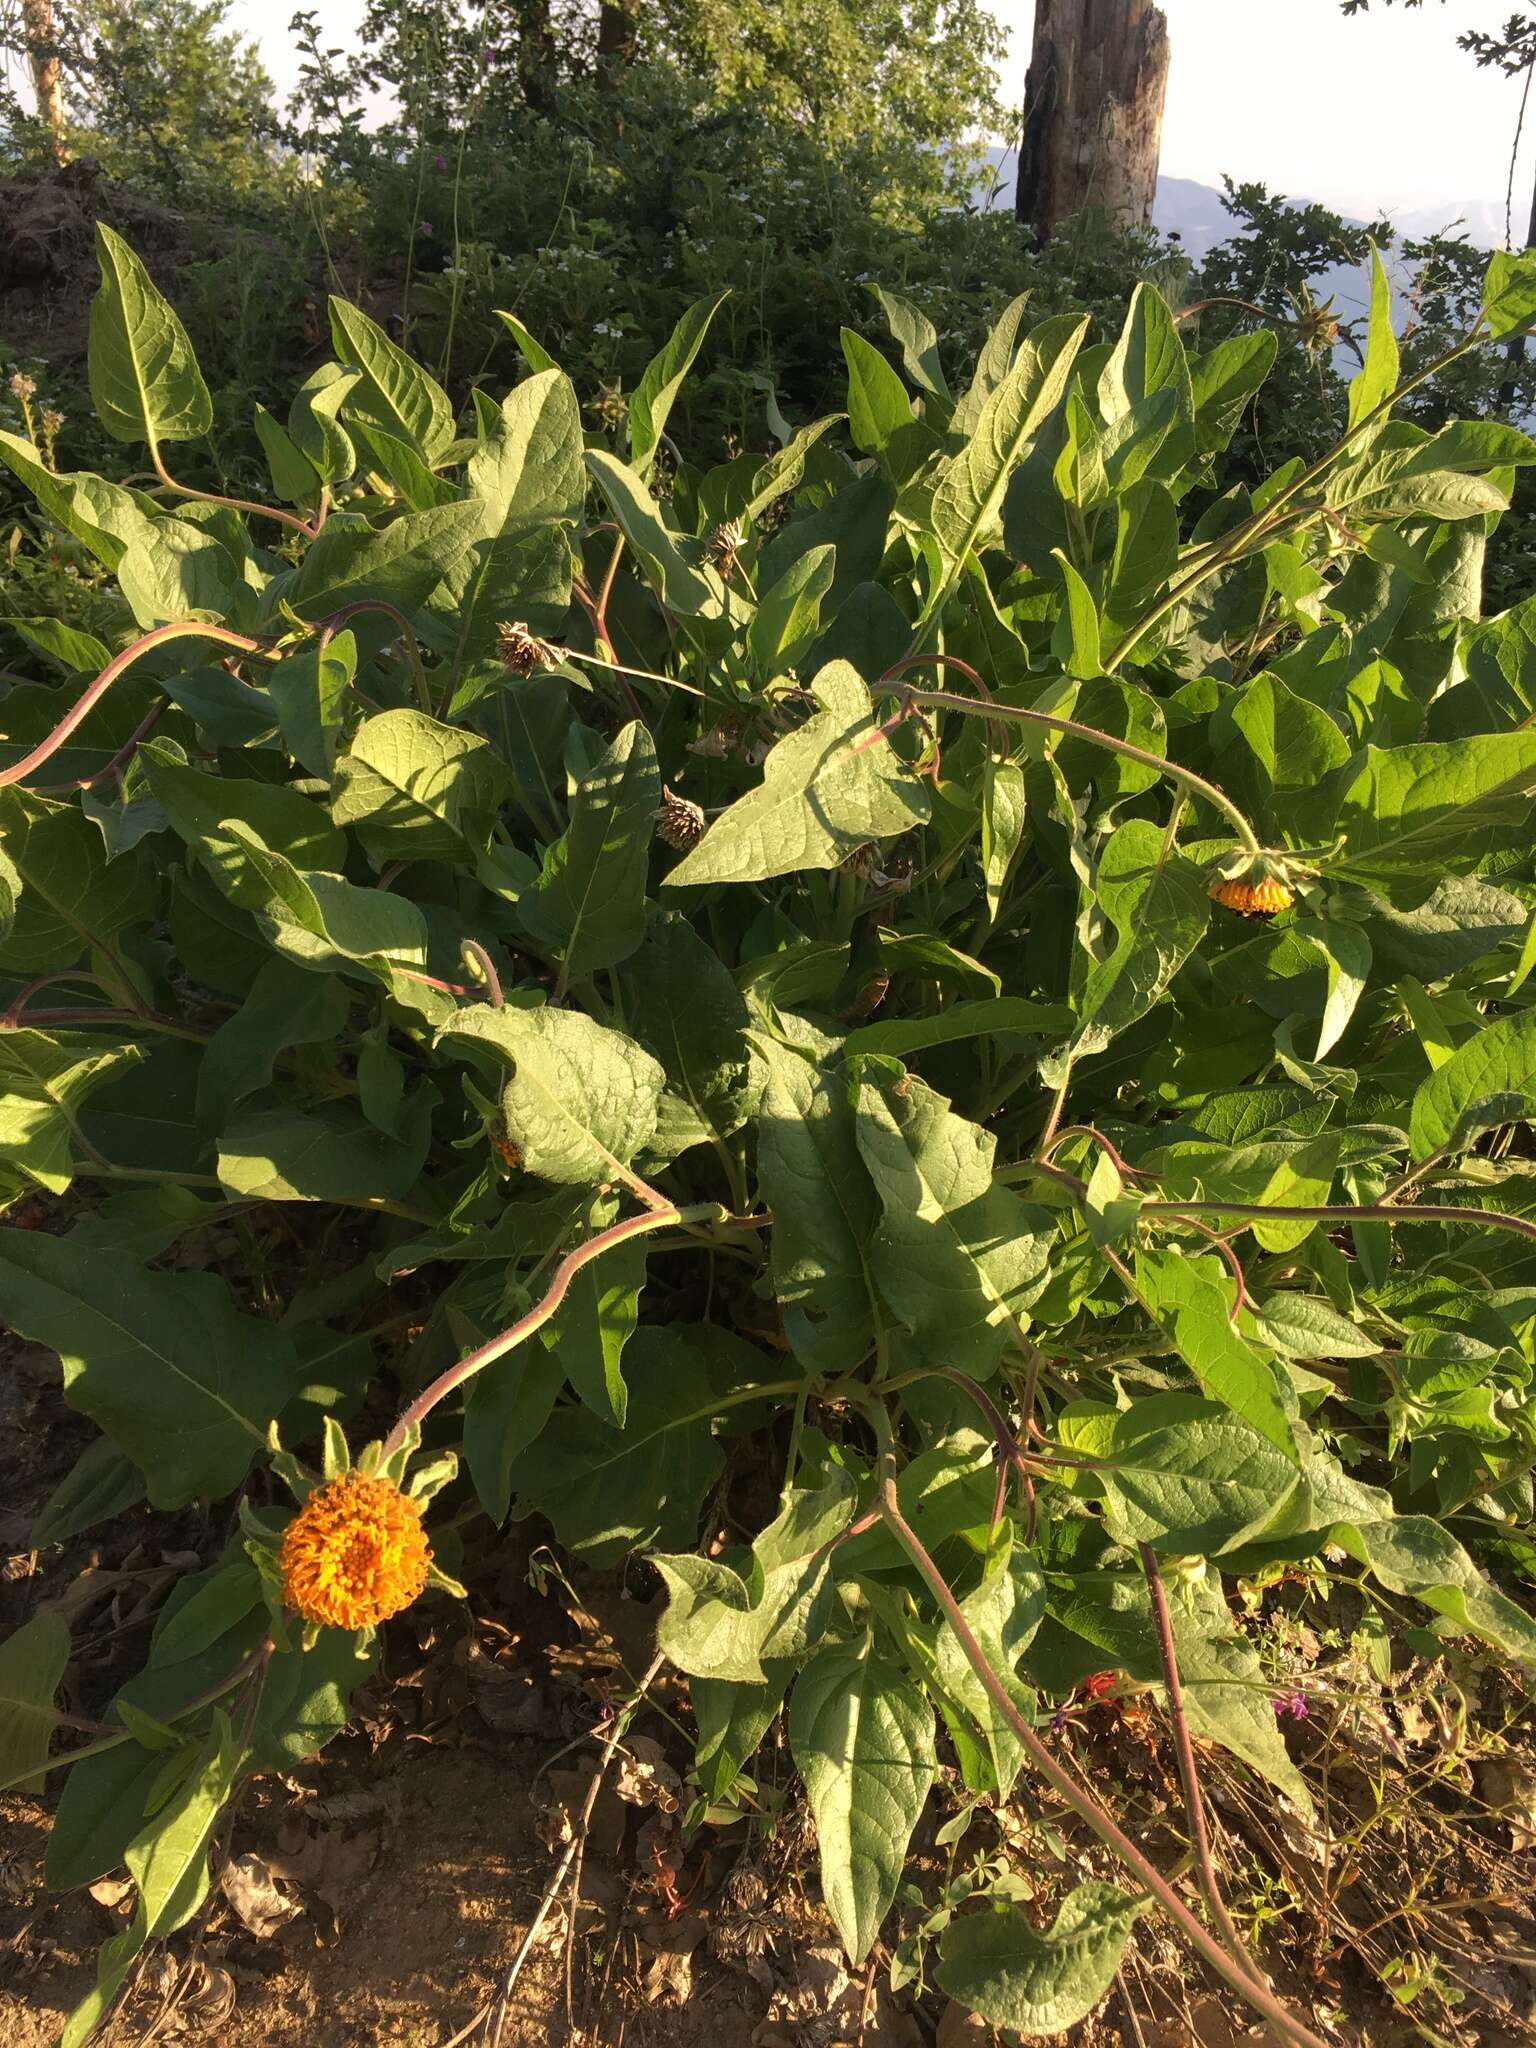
[287,519]
[119,760]
[93,693]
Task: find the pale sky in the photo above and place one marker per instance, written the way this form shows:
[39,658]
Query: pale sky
[1372,114]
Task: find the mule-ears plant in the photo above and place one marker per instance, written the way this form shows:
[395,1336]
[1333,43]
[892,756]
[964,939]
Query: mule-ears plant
[914,1124]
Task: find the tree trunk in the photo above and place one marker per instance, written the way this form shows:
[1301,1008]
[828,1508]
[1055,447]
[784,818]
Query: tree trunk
[1093,111]
[43,56]
[536,54]
[618,33]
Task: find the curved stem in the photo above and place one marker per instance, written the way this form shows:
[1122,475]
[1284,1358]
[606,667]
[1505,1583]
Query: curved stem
[288,519]
[1184,1752]
[332,626]
[536,1317]
[93,693]
[1185,778]
[1077,1796]
[1343,1212]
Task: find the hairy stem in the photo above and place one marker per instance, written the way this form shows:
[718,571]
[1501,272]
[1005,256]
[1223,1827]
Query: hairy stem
[1077,1796]
[93,693]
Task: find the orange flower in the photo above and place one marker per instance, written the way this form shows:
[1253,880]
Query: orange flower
[355,1553]
[1253,899]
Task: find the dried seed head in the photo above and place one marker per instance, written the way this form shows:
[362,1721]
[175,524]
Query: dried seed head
[723,543]
[679,822]
[521,653]
[355,1553]
[23,386]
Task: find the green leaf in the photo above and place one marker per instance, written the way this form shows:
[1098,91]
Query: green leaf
[862,1738]
[827,788]
[32,1661]
[788,616]
[1191,1479]
[692,1016]
[898,1036]
[1076,639]
[1509,292]
[72,898]
[970,490]
[102,515]
[609,1491]
[690,592]
[1148,357]
[651,403]
[1192,1307]
[997,1964]
[918,340]
[1160,907]
[328,1154]
[1003,1613]
[588,904]
[509,1404]
[958,1257]
[285,1007]
[993,361]
[1222,382]
[1419,808]
[172,570]
[44,1078]
[145,383]
[1378,376]
[878,406]
[1489,1080]
[308,692]
[294,477]
[825,1210]
[594,1323]
[183,1383]
[534,354]
[100,1484]
[416,789]
[313,426]
[732,1720]
[402,565]
[580,1099]
[391,391]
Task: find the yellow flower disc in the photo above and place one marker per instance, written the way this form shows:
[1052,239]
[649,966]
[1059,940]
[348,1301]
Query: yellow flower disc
[1253,899]
[355,1553]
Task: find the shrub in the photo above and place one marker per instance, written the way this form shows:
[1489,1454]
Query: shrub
[757,977]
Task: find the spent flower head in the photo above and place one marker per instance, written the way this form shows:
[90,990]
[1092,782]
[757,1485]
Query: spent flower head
[355,1553]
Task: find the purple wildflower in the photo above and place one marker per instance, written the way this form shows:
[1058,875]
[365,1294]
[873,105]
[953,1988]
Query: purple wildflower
[1059,1721]
[440,161]
[1292,1704]
[423,227]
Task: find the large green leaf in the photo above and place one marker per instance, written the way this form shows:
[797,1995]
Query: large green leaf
[415,789]
[999,1965]
[32,1661]
[650,406]
[44,1077]
[329,1154]
[182,1382]
[1191,1479]
[608,1491]
[824,1207]
[878,406]
[826,789]
[1417,809]
[1159,905]
[1192,1307]
[692,1016]
[391,391]
[588,904]
[1489,1080]
[690,592]
[580,1099]
[862,1738]
[970,490]
[72,898]
[958,1257]
[1378,375]
[145,383]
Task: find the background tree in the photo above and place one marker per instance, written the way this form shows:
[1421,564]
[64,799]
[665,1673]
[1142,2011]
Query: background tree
[43,61]
[1093,111]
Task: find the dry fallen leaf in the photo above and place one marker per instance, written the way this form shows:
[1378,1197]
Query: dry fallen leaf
[254,1893]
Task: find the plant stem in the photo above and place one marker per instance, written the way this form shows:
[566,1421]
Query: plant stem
[536,1317]
[1367,1212]
[1185,778]
[93,693]
[288,519]
[1077,1796]
[1183,1749]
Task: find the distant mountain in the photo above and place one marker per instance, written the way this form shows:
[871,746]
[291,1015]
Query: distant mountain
[1197,214]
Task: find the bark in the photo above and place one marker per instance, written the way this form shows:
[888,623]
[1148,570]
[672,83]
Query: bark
[43,57]
[618,33]
[1093,111]
[536,54]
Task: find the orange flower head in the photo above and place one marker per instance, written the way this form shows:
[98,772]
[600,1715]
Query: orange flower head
[355,1553]
[1253,898]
